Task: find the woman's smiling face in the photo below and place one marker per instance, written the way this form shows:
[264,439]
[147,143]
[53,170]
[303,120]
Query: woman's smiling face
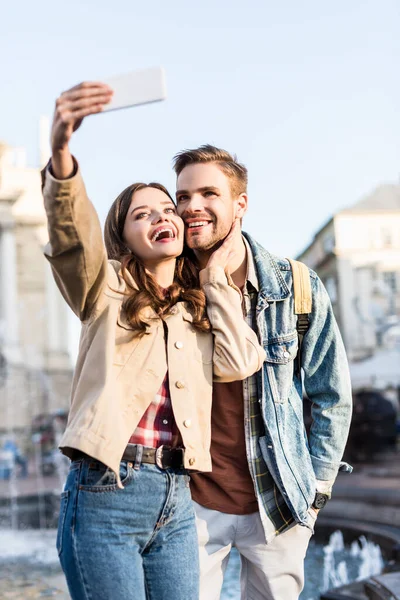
[152,229]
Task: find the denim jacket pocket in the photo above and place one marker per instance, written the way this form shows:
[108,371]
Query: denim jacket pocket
[281,350]
[280,355]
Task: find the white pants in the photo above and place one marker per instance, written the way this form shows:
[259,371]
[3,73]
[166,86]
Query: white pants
[273,571]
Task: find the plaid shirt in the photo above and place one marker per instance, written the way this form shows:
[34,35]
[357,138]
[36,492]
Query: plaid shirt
[274,512]
[157,426]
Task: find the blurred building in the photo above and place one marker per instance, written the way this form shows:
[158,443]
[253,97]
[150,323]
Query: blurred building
[357,256]
[35,367]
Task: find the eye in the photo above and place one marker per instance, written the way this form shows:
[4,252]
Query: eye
[141,215]
[209,193]
[182,198]
[170,210]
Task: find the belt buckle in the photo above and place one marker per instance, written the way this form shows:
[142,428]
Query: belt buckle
[159,457]
[181,454]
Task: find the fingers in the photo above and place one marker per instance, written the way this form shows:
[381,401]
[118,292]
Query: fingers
[84,93]
[228,241]
[235,227]
[231,256]
[87,95]
[86,88]
[71,116]
[83,103]
[83,96]
[85,112]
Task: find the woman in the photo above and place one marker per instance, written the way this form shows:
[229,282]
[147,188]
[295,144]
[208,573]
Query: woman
[141,397]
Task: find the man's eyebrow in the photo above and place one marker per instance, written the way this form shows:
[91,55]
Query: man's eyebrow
[147,206]
[206,188]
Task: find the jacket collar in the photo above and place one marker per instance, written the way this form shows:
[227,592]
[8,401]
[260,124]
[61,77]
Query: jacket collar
[272,285]
[251,267]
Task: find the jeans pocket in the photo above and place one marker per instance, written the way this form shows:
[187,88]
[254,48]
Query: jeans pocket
[97,477]
[61,520]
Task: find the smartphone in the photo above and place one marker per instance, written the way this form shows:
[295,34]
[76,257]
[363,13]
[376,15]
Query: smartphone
[138,87]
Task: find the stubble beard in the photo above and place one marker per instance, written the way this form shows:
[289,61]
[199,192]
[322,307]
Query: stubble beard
[210,243]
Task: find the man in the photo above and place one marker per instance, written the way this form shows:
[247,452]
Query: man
[268,480]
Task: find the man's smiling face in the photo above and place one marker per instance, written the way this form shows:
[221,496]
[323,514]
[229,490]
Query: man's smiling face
[206,204]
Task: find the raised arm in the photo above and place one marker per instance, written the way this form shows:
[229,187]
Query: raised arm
[75,248]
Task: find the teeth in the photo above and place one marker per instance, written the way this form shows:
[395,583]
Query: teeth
[157,235]
[198,224]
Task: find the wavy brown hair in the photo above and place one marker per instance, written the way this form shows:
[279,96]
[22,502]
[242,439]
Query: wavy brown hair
[186,285]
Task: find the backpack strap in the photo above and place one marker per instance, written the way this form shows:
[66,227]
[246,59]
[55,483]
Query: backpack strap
[302,302]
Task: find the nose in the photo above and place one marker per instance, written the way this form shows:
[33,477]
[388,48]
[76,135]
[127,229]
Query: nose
[159,218]
[195,204]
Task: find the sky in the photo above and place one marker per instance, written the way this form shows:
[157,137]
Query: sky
[307,95]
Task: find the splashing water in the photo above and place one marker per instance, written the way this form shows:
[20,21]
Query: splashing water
[371,559]
[366,561]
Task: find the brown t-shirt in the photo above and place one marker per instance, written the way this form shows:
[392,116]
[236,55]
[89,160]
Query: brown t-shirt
[229,487]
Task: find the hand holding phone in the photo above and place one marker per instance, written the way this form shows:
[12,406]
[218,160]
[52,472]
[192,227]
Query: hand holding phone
[72,106]
[89,98]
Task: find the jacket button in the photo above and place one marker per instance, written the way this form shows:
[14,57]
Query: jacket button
[286,354]
[187,423]
[179,345]
[180,385]
[192,461]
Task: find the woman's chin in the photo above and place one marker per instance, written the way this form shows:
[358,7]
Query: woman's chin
[171,249]
[166,252]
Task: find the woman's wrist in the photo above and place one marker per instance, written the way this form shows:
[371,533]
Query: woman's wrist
[62,163]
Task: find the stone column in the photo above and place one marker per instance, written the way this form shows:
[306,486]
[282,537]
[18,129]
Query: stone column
[8,291]
[57,326]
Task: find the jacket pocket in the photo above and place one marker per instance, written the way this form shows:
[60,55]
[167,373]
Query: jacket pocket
[282,350]
[126,341]
[280,354]
[61,520]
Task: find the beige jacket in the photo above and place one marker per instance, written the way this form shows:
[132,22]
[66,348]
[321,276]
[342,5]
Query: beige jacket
[118,374]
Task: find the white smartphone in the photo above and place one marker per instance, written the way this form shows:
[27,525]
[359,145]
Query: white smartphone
[137,87]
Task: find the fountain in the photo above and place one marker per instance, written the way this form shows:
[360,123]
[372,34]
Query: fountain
[29,502]
[342,565]
[29,506]
[326,567]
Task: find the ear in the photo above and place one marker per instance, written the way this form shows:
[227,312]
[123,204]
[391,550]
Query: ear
[241,206]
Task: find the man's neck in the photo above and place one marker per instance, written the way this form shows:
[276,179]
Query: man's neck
[237,267]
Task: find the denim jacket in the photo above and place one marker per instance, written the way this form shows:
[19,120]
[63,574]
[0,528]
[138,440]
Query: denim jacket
[295,460]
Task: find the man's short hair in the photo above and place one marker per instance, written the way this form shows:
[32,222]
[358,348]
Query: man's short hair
[228,163]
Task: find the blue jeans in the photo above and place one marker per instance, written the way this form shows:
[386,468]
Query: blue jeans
[135,543]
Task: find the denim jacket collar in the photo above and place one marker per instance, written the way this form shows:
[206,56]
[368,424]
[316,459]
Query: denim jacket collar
[272,285]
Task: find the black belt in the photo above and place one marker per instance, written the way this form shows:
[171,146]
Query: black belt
[164,457]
